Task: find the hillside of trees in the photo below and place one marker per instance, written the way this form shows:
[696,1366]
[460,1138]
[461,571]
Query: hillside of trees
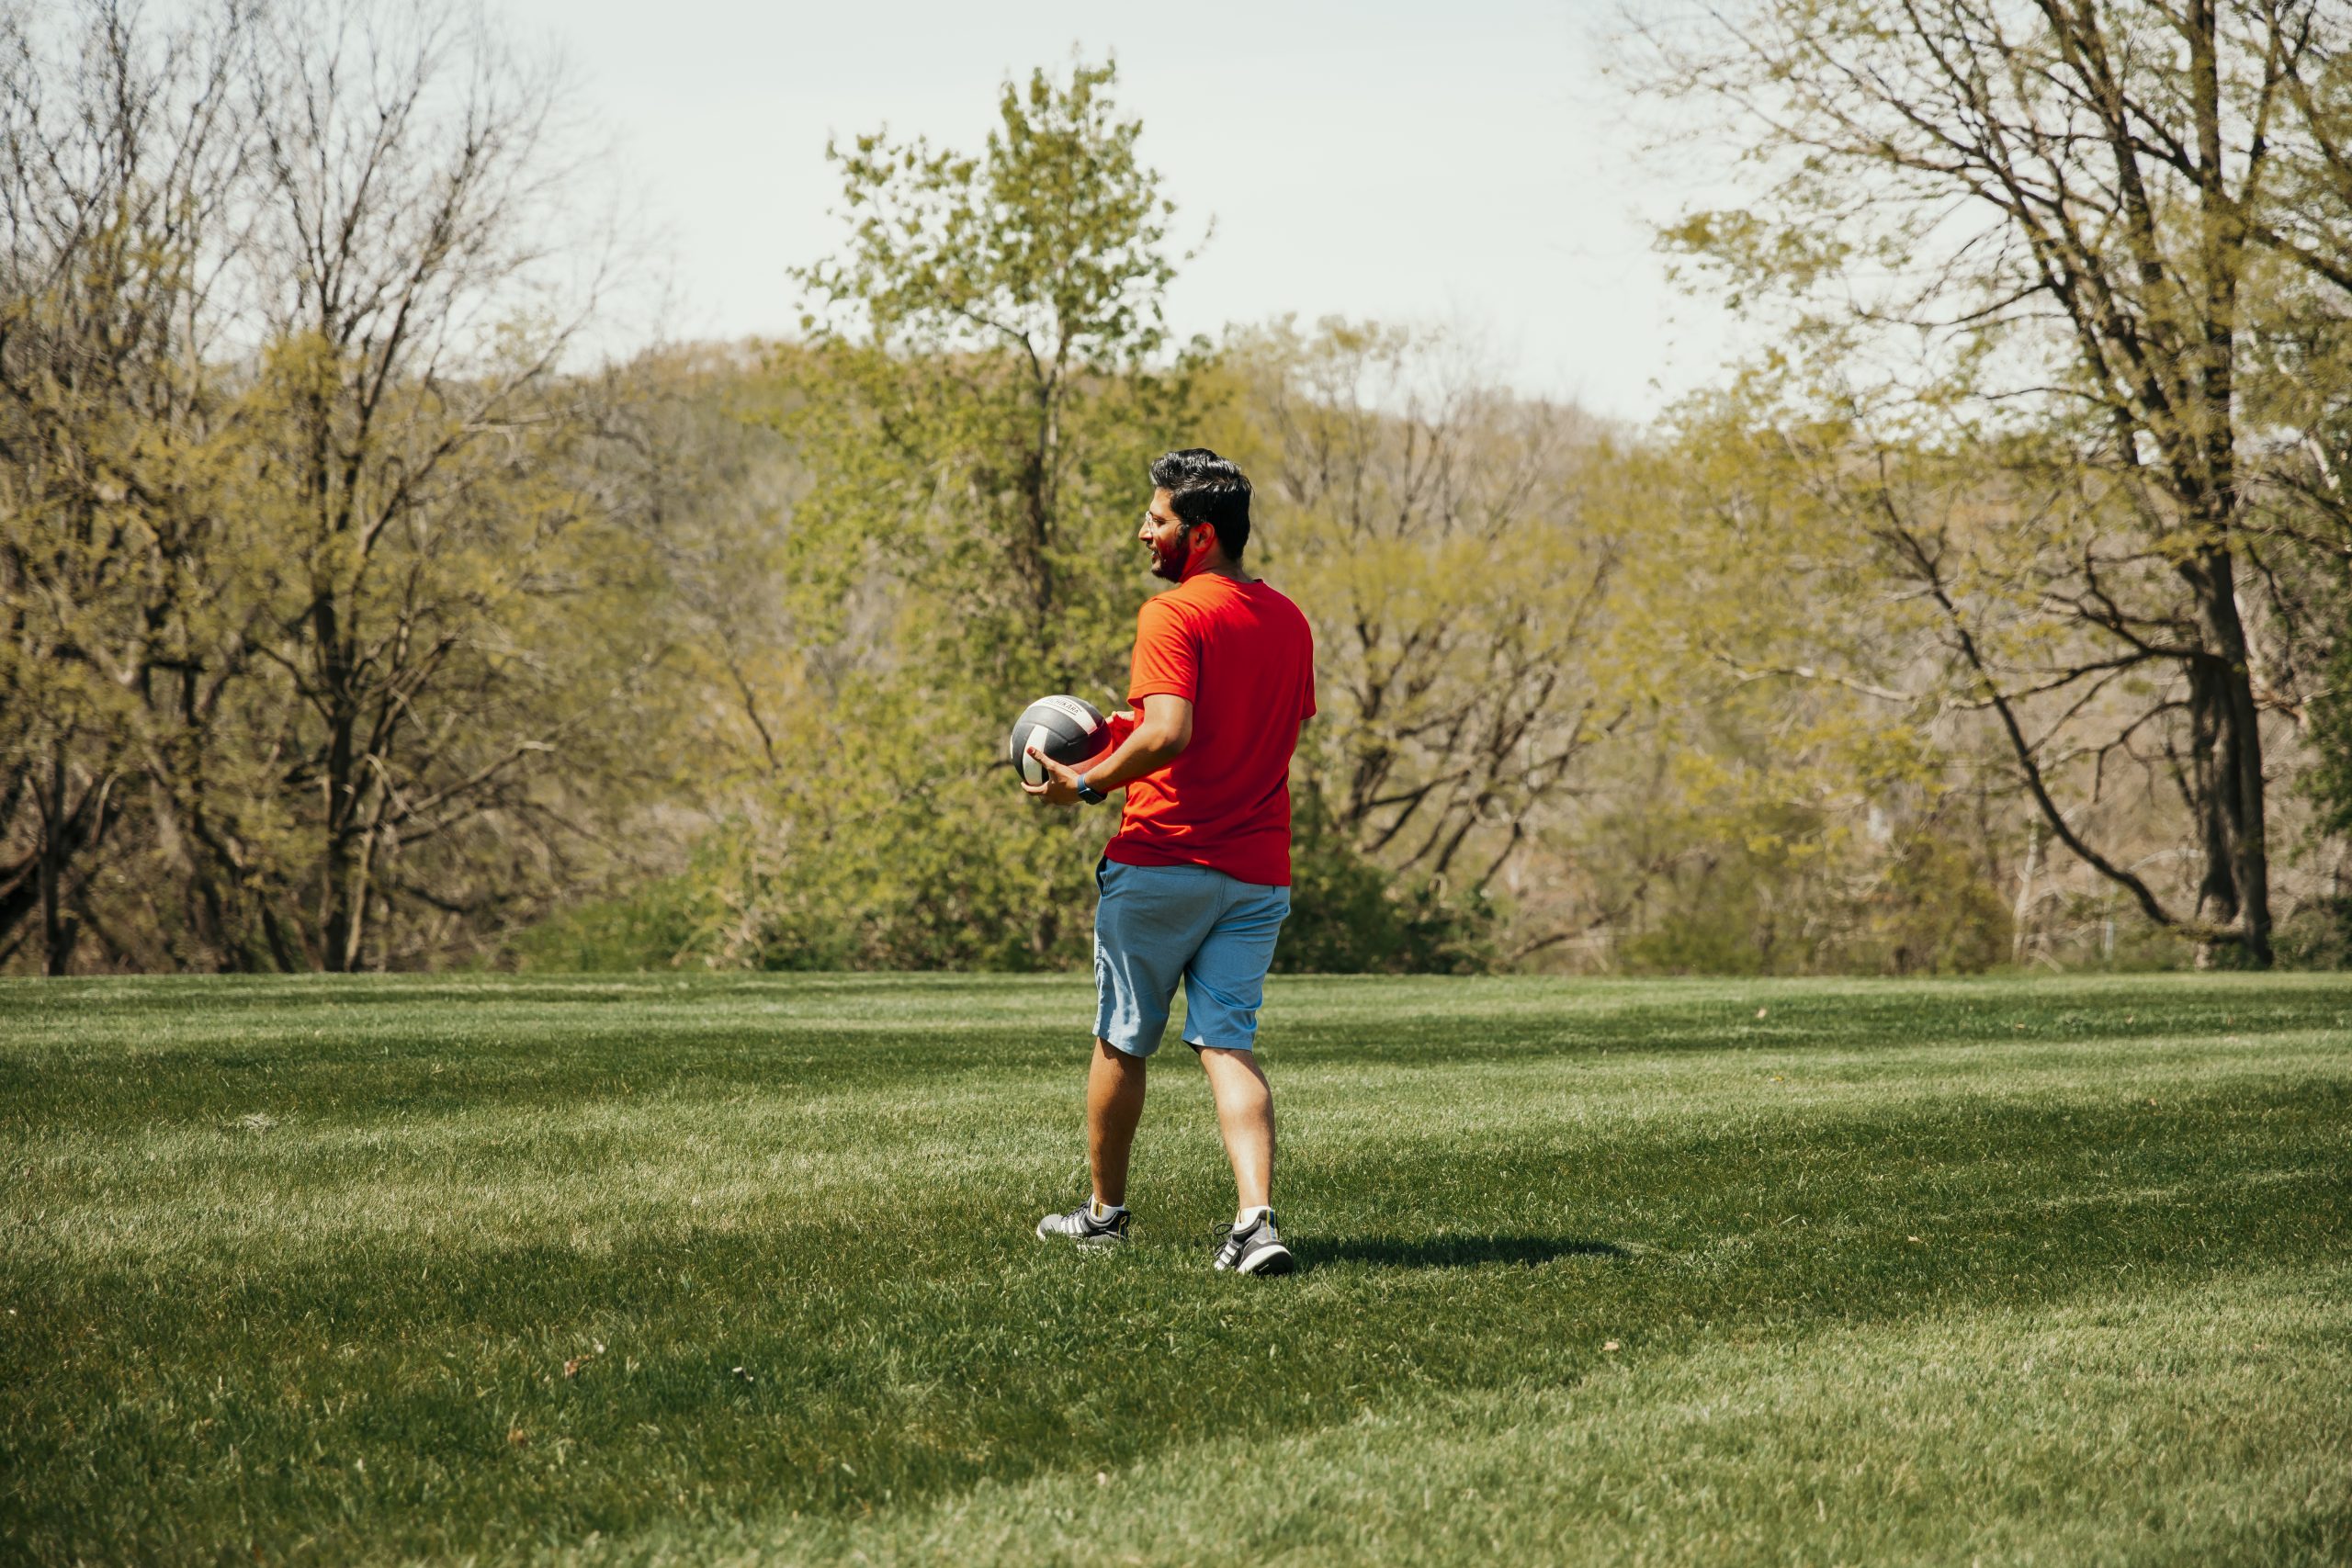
[358,618]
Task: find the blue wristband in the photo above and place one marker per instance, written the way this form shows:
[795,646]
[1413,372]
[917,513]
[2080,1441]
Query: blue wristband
[1089,794]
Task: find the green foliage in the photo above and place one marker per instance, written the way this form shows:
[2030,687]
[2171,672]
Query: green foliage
[903,849]
[294,563]
[2328,781]
[2318,935]
[653,927]
[989,344]
[382,639]
[1351,916]
[1783,805]
[983,393]
[1455,548]
[1777,888]
[1740,898]
[1054,238]
[2128,355]
[1753,909]
[1933,913]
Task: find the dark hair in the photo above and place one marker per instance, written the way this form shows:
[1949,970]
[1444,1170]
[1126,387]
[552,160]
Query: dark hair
[1204,487]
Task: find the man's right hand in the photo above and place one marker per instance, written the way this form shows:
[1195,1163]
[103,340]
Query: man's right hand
[1060,786]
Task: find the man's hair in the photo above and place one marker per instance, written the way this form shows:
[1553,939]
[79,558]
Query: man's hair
[1203,488]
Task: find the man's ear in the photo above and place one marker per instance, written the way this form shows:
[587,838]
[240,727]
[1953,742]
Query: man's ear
[1203,537]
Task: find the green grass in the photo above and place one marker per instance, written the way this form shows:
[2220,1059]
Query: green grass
[2057,1271]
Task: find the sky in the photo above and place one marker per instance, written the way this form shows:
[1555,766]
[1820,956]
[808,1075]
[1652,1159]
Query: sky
[1465,165]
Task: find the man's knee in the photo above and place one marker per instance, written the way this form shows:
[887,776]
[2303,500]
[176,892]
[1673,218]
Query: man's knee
[1229,1062]
[1118,1060]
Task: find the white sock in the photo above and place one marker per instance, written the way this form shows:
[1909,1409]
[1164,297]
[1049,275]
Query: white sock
[1101,1211]
[1251,1216]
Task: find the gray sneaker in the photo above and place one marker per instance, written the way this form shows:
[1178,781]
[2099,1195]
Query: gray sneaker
[1255,1248]
[1080,1226]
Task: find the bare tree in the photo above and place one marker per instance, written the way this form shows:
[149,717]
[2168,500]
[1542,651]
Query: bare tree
[121,154]
[2079,209]
[417,304]
[1436,529]
[295,478]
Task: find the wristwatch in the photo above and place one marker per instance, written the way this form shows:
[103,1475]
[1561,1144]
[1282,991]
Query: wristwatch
[1089,794]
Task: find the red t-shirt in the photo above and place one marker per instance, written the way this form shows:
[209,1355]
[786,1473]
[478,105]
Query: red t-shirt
[1242,655]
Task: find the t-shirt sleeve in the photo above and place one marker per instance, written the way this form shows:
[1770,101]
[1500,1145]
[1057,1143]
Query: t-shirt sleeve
[1306,707]
[1167,660]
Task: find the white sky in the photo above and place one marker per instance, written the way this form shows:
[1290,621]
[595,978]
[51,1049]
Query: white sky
[1464,164]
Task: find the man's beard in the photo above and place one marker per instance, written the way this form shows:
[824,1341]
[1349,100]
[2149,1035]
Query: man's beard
[1168,565]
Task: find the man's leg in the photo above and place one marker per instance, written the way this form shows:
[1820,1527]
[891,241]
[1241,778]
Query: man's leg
[1114,1106]
[1146,926]
[1223,987]
[1245,1119]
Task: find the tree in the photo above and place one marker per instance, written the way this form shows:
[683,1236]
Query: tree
[298,561]
[119,155]
[1442,534]
[997,321]
[2087,220]
[1794,793]
[409,200]
[986,384]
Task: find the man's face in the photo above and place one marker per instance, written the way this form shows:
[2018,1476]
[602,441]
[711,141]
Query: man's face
[1168,538]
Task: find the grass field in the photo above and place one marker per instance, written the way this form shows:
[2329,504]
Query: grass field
[650,1271]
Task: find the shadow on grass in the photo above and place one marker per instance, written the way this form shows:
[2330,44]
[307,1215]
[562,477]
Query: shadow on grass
[1460,1251]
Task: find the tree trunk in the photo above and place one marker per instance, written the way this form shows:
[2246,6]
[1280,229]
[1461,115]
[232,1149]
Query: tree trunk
[58,929]
[340,780]
[2226,741]
[1037,524]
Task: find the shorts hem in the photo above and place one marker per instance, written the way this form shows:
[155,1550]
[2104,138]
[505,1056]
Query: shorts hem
[1137,1049]
[1249,1045]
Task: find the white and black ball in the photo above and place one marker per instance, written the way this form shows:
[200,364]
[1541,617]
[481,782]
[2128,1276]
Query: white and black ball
[1069,729]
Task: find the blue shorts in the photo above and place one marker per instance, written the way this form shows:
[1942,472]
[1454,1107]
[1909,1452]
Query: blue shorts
[1158,924]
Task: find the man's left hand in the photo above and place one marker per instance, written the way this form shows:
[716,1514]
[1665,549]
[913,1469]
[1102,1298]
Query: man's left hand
[1060,787]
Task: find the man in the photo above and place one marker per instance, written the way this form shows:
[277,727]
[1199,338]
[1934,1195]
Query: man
[1196,882]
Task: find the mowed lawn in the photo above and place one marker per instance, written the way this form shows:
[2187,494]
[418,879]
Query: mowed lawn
[730,1269]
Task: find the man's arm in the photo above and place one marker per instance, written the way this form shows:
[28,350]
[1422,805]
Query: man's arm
[1159,737]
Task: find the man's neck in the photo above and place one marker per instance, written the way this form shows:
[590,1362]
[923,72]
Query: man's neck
[1224,569]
